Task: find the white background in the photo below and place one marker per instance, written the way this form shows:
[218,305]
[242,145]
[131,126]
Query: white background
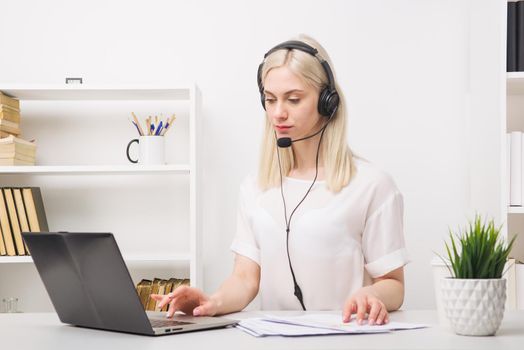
[420,77]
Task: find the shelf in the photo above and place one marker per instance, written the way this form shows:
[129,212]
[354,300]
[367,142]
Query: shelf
[95,169]
[177,258]
[515,210]
[515,83]
[97,92]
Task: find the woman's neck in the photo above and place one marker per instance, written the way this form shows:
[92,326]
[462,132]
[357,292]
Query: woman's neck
[305,159]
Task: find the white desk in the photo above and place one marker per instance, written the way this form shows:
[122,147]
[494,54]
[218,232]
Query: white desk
[44,331]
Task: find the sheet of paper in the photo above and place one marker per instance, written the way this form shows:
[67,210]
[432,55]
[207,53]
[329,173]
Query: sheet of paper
[333,321]
[259,327]
[314,324]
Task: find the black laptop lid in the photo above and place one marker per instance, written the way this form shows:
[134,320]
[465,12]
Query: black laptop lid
[87,280]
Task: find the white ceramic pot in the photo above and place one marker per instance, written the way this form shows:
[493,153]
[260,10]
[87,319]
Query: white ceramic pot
[474,306]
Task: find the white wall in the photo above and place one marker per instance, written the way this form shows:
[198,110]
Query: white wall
[403,65]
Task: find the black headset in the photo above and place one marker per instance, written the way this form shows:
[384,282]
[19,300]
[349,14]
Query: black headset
[328,100]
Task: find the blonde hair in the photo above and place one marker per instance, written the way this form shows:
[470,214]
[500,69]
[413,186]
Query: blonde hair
[336,154]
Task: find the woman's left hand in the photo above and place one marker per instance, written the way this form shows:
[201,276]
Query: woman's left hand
[363,302]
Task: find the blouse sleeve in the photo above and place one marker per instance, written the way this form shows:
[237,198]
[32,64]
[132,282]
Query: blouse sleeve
[383,237]
[245,242]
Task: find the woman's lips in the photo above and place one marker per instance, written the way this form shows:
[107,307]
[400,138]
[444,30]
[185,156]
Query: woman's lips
[282,127]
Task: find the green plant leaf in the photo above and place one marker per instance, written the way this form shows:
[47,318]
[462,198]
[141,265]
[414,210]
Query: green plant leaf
[478,252]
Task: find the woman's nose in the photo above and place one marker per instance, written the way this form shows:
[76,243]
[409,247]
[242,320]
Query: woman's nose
[278,111]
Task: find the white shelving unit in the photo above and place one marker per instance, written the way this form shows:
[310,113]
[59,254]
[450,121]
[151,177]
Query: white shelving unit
[95,169]
[81,133]
[513,121]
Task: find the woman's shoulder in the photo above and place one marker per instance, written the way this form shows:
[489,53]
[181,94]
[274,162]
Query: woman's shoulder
[373,177]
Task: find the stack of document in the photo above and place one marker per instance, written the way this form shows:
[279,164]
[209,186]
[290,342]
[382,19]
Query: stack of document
[315,324]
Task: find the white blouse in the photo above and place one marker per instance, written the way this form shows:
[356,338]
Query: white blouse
[336,240]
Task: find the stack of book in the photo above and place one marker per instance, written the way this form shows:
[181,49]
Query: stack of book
[21,210]
[15,151]
[9,116]
[158,286]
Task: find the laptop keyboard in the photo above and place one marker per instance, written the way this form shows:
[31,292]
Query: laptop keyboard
[166,323]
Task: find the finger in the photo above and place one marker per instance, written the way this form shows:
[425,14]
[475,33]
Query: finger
[381,319]
[172,308]
[156,296]
[361,309]
[161,299]
[350,307]
[376,308]
[180,291]
[162,302]
[206,309]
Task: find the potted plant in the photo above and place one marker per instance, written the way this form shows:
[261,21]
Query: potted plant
[474,297]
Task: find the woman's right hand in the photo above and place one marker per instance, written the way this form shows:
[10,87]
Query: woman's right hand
[191,301]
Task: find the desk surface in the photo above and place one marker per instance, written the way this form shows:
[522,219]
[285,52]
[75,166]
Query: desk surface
[44,331]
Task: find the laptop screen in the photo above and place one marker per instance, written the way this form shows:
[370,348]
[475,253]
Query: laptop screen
[87,280]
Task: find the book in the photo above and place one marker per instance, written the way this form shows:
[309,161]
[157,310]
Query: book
[20,210]
[169,289]
[511,49]
[10,114]
[161,291]
[15,161]
[10,152]
[9,101]
[2,244]
[151,304]
[11,144]
[144,288]
[8,108]
[13,219]
[35,210]
[6,227]
[9,127]
[5,134]
[21,157]
[139,290]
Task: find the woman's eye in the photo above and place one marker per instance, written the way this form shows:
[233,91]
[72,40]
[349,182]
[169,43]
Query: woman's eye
[294,100]
[270,100]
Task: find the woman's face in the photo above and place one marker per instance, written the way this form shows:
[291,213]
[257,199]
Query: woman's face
[291,105]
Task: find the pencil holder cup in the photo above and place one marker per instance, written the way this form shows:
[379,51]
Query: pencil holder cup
[151,150]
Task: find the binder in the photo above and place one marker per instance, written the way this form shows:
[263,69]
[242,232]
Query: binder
[6,227]
[151,304]
[35,209]
[2,245]
[13,218]
[145,291]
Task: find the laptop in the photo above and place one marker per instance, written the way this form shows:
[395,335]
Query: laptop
[90,286]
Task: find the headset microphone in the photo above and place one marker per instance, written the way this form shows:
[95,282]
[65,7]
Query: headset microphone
[285,142]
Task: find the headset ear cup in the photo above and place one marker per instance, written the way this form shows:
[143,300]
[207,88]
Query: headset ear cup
[263,100]
[260,85]
[328,102]
[333,102]
[322,102]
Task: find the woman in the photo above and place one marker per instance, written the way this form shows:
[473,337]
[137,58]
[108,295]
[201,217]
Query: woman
[319,228]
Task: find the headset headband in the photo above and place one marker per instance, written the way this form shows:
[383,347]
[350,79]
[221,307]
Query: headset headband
[302,46]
